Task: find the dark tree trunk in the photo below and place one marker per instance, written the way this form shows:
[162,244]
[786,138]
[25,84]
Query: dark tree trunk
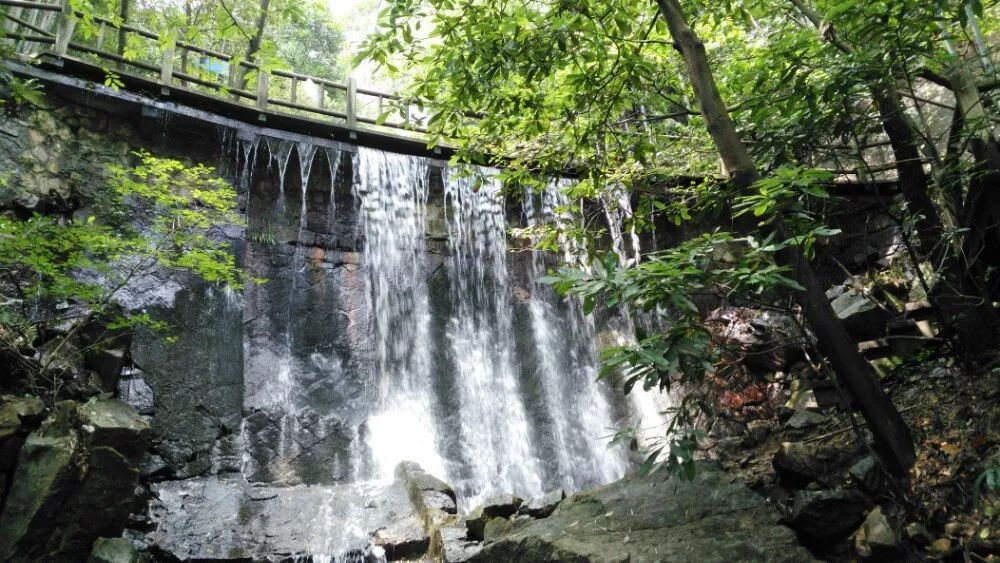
[258,37]
[892,435]
[914,182]
[123,13]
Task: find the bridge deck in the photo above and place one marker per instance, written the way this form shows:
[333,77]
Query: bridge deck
[72,76]
[168,69]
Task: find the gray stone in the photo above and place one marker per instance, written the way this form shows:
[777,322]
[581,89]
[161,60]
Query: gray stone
[100,503]
[74,481]
[197,381]
[850,303]
[867,474]
[115,550]
[435,493]
[152,465]
[876,538]
[826,515]
[543,506]
[115,424]
[296,448]
[655,518]
[137,393]
[455,547]
[10,423]
[47,469]
[496,529]
[799,463]
[805,419]
[497,506]
[404,538]
[28,409]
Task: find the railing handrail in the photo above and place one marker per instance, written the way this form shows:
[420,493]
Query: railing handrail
[61,41]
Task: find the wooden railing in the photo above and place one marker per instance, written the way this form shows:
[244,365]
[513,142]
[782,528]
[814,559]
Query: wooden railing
[53,27]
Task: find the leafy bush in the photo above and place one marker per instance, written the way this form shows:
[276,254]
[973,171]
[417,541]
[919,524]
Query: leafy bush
[62,273]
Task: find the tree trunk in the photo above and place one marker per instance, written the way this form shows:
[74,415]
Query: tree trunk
[914,182]
[256,40]
[123,13]
[892,435]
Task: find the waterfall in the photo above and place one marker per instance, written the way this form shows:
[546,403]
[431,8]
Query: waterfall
[392,191]
[469,403]
[462,361]
[565,342]
[495,436]
[617,208]
[648,406]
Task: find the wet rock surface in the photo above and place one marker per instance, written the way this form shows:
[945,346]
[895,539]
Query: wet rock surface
[654,518]
[543,506]
[456,547]
[215,518]
[497,506]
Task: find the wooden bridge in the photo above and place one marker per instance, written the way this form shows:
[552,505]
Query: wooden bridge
[49,34]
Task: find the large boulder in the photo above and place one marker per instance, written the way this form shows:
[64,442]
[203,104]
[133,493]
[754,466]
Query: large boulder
[800,463]
[403,538]
[766,340]
[114,424]
[48,469]
[435,495]
[16,412]
[74,481]
[655,518]
[497,506]
[544,505]
[827,515]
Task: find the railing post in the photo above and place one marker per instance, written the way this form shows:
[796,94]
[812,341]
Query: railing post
[64,29]
[167,67]
[231,72]
[100,36]
[295,89]
[352,102]
[263,77]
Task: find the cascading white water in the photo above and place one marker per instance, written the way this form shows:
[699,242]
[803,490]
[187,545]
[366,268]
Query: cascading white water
[392,191]
[522,420]
[565,343]
[648,405]
[617,208]
[496,440]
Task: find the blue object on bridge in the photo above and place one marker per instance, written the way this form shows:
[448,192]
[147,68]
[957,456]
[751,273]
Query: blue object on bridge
[214,66]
